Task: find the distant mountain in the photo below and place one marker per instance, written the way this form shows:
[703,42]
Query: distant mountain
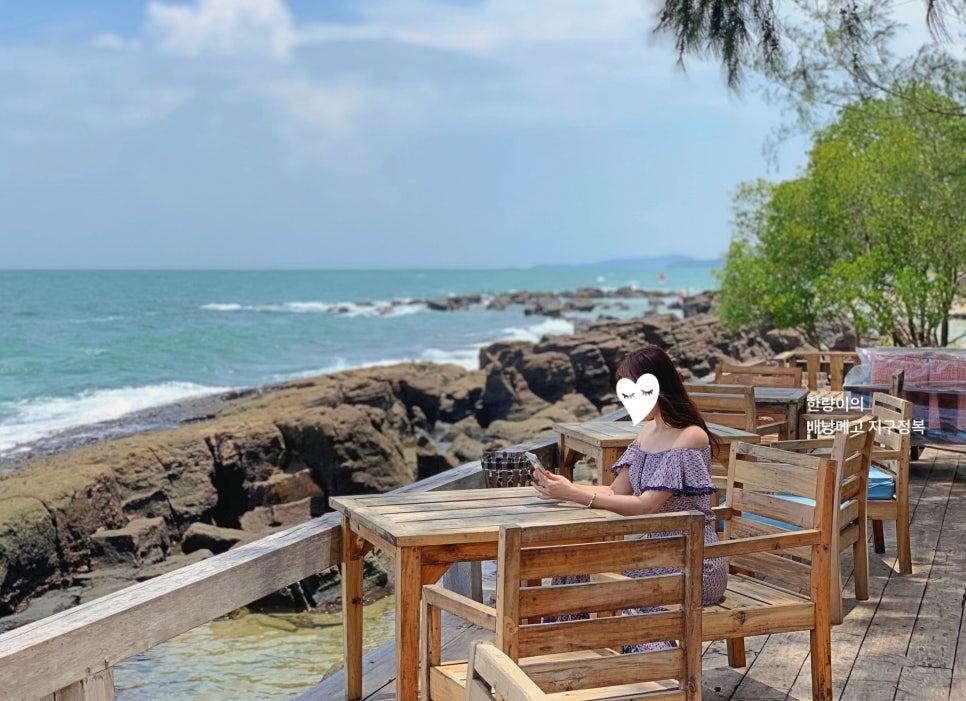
[659,263]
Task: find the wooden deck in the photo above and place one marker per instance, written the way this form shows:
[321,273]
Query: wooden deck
[908,641]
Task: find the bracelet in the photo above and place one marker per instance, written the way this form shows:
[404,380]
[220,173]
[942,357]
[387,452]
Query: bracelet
[593,496]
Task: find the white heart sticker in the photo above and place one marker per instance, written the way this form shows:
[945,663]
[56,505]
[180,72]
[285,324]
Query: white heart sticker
[638,397]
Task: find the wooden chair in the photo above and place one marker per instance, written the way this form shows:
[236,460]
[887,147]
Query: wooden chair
[734,406]
[889,475]
[778,554]
[892,420]
[758,375]
[852,453]
[581,658]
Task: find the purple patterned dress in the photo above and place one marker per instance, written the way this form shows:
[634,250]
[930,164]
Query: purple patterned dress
[686,473]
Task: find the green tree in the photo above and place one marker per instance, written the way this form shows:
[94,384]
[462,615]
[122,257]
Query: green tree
[822,71]
[874,231]
[742,32]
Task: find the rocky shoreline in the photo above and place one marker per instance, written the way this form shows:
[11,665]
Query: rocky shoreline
[83,516]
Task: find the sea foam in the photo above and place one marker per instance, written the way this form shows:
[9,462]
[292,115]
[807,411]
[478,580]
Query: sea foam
[390,308]
[27,421]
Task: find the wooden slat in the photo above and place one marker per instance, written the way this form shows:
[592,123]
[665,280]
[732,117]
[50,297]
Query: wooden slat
[536,563]
[549,638]
[784,478]
[600,596]
[608,668]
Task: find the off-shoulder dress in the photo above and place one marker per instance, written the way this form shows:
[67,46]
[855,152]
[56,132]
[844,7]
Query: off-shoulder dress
[686,473]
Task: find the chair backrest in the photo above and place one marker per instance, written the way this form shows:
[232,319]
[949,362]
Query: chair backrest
[897,382]
[758,375]
[852,453]
[727,405]
[663,607]
[892,420]
[851,450]
[762,485]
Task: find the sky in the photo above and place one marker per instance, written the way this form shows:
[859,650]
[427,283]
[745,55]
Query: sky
[206,134]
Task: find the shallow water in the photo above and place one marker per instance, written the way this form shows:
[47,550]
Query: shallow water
[253,657]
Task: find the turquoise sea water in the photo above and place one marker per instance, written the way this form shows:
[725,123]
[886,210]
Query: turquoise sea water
[78,348]
[81,347]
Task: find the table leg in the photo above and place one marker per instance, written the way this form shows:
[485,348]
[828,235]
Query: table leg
[408,583]
[567,459]
[836,365]
[791,416]
[813,365]
[352,554]
[607,459]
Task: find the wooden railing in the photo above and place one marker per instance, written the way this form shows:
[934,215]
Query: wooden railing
[71,655]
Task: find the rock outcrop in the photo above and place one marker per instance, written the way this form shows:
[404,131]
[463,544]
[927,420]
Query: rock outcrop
[233,473]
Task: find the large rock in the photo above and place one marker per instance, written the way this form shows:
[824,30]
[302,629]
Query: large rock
[28,551]
[167,474]
[568,410]
[143,540]
[203,536]
[282,487]
[429,460]
[268,519]
[349,449]
[80,497]
[506,396]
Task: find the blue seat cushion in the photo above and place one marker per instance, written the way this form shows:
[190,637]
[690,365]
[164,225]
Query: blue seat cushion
[776,522]
[882,485]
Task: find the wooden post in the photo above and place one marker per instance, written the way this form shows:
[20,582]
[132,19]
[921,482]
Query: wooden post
[352,554]
[97,687]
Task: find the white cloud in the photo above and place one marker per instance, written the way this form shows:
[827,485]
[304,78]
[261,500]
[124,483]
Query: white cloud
[141,106]
[537,62]
[485,28]
[333,108]
[225,27]
[115,42]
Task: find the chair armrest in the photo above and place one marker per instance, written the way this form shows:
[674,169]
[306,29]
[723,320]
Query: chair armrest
[469,610]
[490,666]
[762,543]
[848,416]
[805,444]
[771,427]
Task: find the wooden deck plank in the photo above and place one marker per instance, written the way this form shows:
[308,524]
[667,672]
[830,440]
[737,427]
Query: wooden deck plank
[884,654]
[908,641]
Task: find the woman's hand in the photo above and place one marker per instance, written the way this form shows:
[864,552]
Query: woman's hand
[552,486]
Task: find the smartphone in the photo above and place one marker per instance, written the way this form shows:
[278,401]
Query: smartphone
[535,462]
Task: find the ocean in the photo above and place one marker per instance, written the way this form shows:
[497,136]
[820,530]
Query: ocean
[82,350]
[86,348]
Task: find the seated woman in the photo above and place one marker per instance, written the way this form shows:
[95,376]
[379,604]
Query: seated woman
[666,468]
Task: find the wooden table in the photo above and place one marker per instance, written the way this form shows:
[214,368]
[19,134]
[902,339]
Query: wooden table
[425,533]
[606,441]
[783,402]
[833,362]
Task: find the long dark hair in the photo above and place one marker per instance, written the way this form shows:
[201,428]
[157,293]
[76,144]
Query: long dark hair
[677,409]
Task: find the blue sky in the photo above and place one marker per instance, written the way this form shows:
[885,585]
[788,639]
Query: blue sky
[374,133]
